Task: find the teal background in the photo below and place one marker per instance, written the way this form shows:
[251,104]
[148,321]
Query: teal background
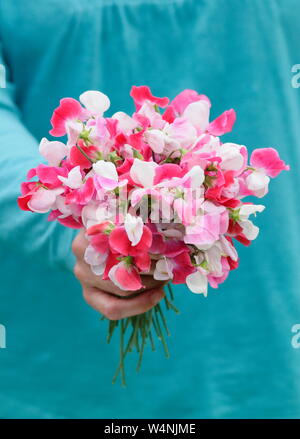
[231,353]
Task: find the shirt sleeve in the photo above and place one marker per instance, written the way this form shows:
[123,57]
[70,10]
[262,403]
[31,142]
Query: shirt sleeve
[26,232]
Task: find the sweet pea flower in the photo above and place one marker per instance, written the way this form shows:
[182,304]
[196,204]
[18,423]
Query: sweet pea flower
[232,158]
[95,259]
[106,174]
[267,163]
[126,124]
[142,173]
[125,276]
[95,102]
[163,269]
[176,157]
[74,178]
[134,228]
[53,152]
[197,280]
[68,110]
[250,231]
[143,93]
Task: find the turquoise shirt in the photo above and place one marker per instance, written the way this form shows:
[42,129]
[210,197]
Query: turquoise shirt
[231,353]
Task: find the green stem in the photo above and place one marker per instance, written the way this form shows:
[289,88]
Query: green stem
[173,307]
[170,291]
[165,346]
[163,319]
[122,353]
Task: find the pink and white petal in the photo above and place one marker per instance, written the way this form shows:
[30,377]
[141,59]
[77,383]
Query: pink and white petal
[98,270]
[69,109]
[126,124]
[53,152]
[249,209]
[156,140]
[106,169]
[143,93]
[269,160]
[92,257]
[257,181]
[195,177]
[198,114]
[74,179]
[222,124]
[73,129]
[249,229]
[167,171]
[143,172]
[228,248]
[105,183]
[42,200]
[124,277]
[213,258]
[232,159]
[186,97]
[137,195]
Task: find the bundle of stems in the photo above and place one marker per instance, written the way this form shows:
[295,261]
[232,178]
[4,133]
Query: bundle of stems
[141,329]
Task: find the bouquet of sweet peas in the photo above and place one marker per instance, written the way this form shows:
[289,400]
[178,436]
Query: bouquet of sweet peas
[154,190]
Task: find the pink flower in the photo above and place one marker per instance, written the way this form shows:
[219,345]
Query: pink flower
[39,199]
[267,163]
[78,158]
[68,110]
[222,124]
[182,267]
[125,276]
[83,194]
[120,243]
[177,161]
[143,93]
[183,99]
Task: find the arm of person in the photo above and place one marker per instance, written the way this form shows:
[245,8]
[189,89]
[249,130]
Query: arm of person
[29,234]
[34,236]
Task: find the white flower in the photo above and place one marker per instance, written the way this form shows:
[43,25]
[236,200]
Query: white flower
[74,179]
[163,270]
[96,260]
[95,101]
[196,174]
[197,283]
[74,129]
[126,124]
[134,228]
[258,182]
[249,229]
[53,152]
[213,258]
[156,140]
[198,114]
[143,172]
[106,170]
[44,199]
[232,159]
[248,209]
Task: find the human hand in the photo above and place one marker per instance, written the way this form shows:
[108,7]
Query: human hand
[105,297]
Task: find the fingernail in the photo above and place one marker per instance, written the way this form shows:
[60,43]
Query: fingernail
[156,297]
